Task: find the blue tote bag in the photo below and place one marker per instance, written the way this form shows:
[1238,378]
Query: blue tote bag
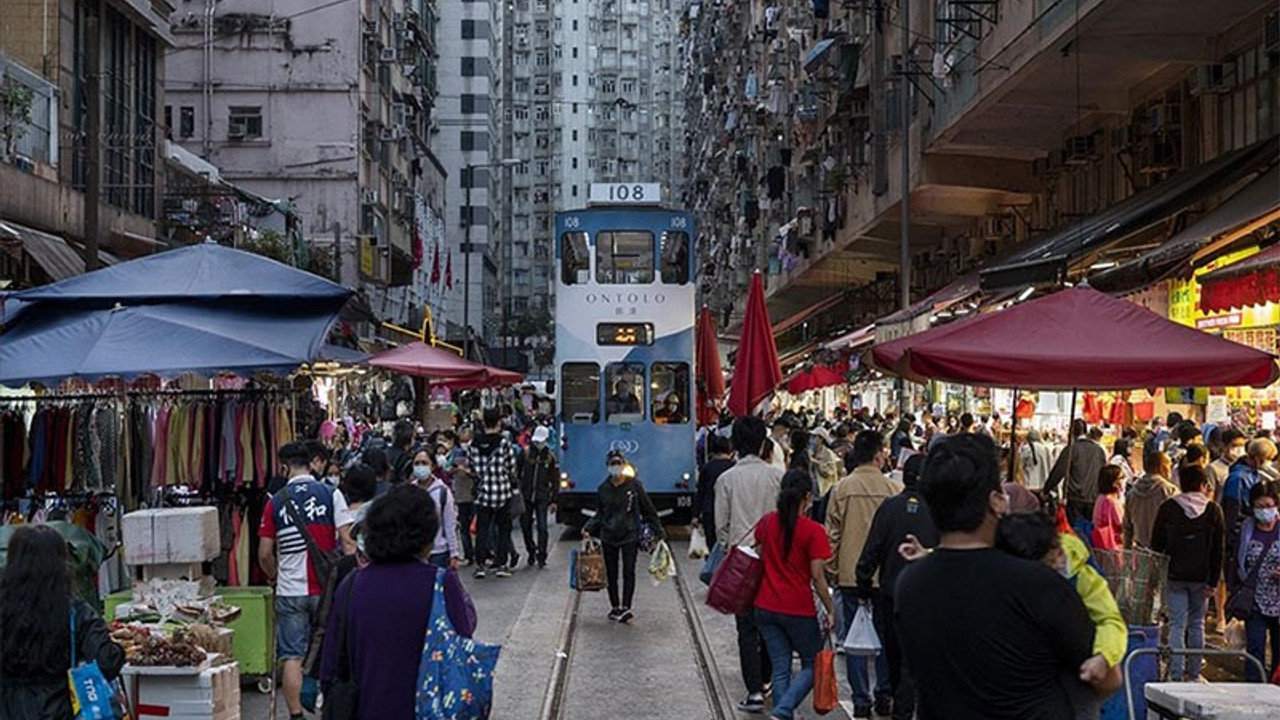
[455,676]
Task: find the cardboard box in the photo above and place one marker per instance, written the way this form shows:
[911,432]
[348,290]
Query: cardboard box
[213,694]
[171,536]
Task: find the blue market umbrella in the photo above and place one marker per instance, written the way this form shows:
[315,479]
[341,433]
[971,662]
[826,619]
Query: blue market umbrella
[52,343]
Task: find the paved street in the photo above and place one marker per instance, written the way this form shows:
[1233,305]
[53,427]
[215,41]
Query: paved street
[649,667]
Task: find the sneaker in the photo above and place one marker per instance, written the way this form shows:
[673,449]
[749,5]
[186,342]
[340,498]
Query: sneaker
[615,613]
[502,573]
[862,711]
[768,688]
[532,560]
[753,703]
[479,573]
[542,564]
[625,615]
[515,561]
[465,563]
[884,706]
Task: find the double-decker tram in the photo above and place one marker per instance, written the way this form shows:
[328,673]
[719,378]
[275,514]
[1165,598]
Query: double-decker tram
[625,285]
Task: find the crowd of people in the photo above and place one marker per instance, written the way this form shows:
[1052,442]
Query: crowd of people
[980,577]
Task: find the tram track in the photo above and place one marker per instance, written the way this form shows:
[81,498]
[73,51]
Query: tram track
[556,701]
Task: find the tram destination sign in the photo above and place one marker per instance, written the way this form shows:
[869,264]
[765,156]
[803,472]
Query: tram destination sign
[625,194]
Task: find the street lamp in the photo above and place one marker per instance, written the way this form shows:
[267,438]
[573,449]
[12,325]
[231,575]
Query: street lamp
[470,171]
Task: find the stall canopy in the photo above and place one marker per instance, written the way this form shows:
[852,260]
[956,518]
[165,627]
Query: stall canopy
[1076,338]
[418,359]
[492,377]
[814,377]
[1252,281]
[1047,259]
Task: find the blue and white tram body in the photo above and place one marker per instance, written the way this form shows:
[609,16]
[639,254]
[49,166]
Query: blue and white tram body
[625,287]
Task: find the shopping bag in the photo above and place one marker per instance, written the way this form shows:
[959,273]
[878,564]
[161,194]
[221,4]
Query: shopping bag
[455,674]
[697,544]
[736,582]
[1233,635]
[92,697]
[589,567]
[826,690]
[661,564]
[862,638]
[711,563]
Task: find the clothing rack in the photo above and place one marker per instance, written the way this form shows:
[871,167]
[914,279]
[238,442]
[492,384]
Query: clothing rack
[146,394]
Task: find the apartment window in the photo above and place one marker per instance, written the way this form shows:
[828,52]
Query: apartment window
[522,113]
[608,85]
[244,122]
[474,104]
[541,59]
[575,25]
[628,86]
[479,214]
[475,67]
[575,53]
[541,113]
[474,177]
[186,121]
[472,141]
[475,29]
[574,190]
[575,79]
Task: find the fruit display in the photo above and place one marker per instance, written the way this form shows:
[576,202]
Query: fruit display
[145,647]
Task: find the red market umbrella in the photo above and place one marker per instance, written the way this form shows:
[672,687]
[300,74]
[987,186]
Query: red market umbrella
[814,378]
[421,360]
[710,376]
[755,370]
[492,377]
[1076,338]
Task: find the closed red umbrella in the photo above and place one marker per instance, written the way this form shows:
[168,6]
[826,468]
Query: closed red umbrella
[814,378]
[710,376]
[755,370]
[421,360]
[1076,338]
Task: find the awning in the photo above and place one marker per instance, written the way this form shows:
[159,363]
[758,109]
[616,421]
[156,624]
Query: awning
[1254,202]
[192,163]
[851,340]
[1252,281]
[915,317]
[817,52]
[53,254]
[1049,258]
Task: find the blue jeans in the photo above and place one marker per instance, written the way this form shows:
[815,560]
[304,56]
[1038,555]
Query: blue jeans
[1256,628]
[293,625]
[1185,603]
[783,634]
[859,680]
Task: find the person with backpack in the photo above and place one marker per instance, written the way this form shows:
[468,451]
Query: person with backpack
[446,551]
[300,530]
[492,458]
[539,483]
[1189,528]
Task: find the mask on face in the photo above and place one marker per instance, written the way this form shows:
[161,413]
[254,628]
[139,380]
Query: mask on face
[615,470]
[539,444]
[1266,516]
[442,460]
[421,472]
[332,479]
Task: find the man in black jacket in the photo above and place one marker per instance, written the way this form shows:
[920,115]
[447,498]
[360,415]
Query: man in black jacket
[905,514]
[539,481]
[1189,528]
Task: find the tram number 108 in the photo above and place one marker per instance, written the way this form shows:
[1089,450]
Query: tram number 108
[633,193]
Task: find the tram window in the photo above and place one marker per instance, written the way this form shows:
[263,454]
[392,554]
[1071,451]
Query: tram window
[675,257]
[575,263]
[624,258]
[625,382]
[580,393]
[670,393]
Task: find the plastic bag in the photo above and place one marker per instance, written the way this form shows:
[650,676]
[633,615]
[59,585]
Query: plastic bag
[1234,635]
[862,638]
[661,564]
[710,564]
[698,544]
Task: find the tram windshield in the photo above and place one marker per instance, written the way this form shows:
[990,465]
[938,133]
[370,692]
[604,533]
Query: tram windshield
[624,257]
[625,382]
[670,386]
[580,392]
[575,266]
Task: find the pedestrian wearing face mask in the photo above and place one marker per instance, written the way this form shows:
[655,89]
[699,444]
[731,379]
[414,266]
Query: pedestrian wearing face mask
[1254,578]
[622,506]
[539,483]
[446,551]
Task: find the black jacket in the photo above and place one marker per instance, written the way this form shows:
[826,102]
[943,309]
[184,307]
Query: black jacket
[903,514]
[1194,545]
[618,512]
[704,498]
[48,698]
[539,474]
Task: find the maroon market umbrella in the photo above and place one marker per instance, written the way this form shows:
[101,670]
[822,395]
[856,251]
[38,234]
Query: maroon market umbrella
[814,378]
[1075,338]
[755,369]
[421,360]
[710,376]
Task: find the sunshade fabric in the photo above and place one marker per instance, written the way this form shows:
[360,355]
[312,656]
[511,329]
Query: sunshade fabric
[421,360]
[1252,281]
[710,376]
[756,372]
[814,378]
[1076,338]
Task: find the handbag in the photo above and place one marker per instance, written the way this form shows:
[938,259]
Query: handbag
[862,638]
[1239,604]
[712,562]
[647,539]
[588,567]
[342,697]
[736,582]
[92,696]
[455,676]
[826,689]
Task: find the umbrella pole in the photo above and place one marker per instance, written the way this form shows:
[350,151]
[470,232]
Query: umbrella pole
[1013,439]
[1071,440]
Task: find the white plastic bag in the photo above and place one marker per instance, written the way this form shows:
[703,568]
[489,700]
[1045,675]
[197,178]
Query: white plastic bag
[1234,635]
[698,544]
[662,564]
[862,638]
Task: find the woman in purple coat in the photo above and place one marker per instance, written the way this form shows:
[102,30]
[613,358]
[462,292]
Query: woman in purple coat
[386,605]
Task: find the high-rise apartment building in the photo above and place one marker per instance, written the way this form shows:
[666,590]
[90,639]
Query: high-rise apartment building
[325,107]
[589,94]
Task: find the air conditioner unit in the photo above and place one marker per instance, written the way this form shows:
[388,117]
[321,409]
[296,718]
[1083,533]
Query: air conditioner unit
[1215,78]
[370,197]
[388,55]
[398,114]
[236,131]
[390,134]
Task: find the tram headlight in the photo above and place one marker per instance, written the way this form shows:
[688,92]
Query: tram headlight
[686,476]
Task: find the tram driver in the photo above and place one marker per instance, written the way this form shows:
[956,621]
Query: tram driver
[624,400]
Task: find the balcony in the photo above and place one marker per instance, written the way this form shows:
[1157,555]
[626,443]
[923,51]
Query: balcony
[29,139]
